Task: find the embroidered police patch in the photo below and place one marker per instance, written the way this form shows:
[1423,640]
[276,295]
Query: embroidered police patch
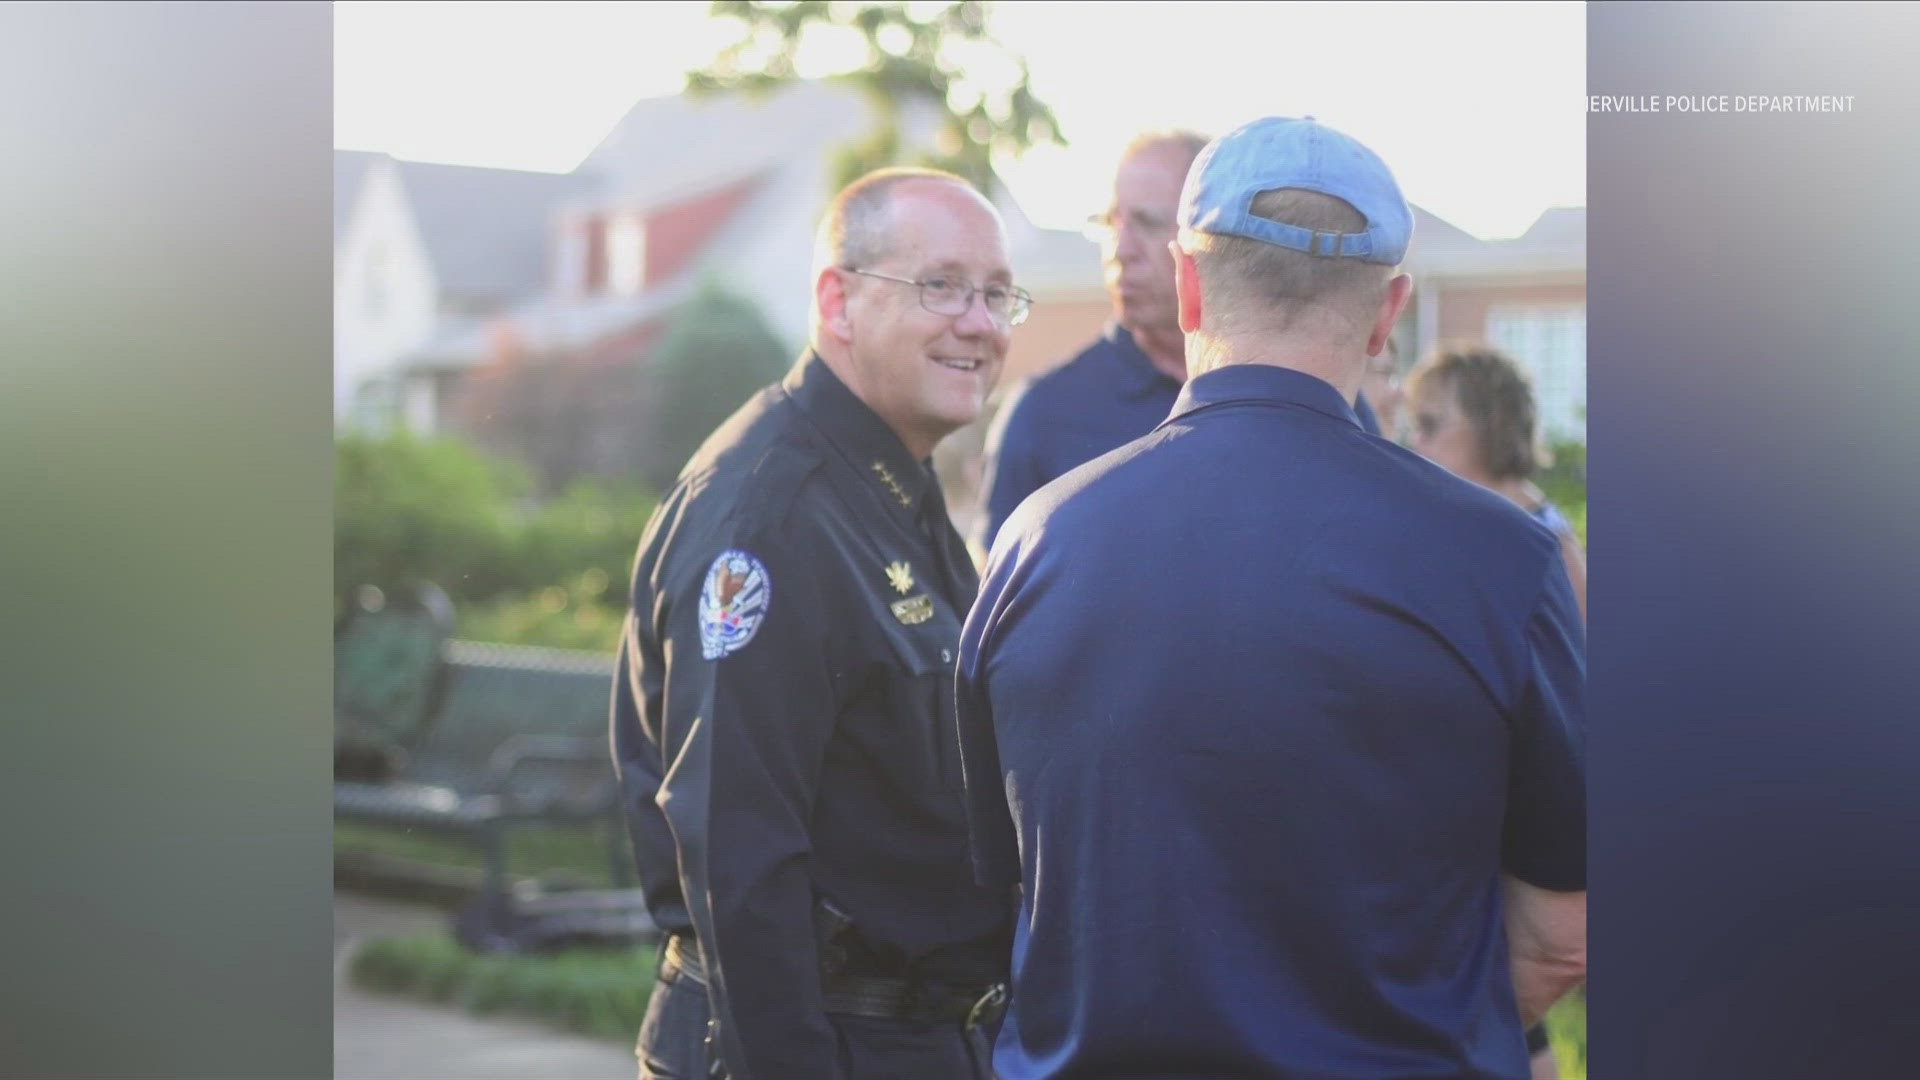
[733,603]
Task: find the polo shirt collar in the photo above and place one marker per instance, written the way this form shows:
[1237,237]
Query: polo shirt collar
[858,433]
[1263,383]
[1139,375]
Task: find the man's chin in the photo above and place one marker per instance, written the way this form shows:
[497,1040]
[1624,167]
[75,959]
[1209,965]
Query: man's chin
[1135,316]
[956,415]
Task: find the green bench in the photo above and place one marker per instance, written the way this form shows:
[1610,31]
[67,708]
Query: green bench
[472,741]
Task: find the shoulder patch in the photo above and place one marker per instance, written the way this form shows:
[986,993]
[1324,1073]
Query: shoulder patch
[733,603]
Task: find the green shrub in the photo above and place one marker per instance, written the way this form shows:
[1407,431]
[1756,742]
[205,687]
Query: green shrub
[571,853]
[583,613]
[408,508]
[591,530]
[438,510]
[594,992]
[1567,1027]
[717,353]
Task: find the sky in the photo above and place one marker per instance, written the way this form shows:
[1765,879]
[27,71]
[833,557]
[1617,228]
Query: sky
[1476,107]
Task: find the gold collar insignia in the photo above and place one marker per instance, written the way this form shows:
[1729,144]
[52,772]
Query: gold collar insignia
[900,575]
[886,477]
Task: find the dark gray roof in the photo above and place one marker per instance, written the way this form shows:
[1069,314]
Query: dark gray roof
[677,144]
[349,168]
[1430,231]
[1558,226]
[488,231]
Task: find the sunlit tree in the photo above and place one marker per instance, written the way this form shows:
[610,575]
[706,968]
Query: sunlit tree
[940,56]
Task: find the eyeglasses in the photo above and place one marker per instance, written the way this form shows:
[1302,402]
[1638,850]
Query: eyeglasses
[953,296]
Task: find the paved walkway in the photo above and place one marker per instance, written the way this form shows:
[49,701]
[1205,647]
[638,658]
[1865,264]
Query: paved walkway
[376,1037]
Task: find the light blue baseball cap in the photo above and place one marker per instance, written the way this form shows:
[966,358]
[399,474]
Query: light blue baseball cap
[1279,152]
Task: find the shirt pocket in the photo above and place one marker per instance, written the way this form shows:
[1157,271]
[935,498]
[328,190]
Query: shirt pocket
[923,654]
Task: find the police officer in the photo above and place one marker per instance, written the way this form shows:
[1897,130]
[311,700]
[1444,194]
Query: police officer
[782,716]
[1124,382]
[1326,817]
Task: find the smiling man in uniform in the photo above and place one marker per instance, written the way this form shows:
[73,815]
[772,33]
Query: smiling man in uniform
[782,716]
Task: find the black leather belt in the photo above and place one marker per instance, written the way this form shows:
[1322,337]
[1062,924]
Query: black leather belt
[900,999]
[868,996]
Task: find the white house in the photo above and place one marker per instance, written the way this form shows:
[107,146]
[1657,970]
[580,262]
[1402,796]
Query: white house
[438,267]
[422,254]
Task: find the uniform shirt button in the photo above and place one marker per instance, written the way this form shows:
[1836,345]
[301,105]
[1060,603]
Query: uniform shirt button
[946,656]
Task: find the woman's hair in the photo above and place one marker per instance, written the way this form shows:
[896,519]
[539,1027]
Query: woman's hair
[1496,396]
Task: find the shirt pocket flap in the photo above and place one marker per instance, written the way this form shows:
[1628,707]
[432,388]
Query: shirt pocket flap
[924,634]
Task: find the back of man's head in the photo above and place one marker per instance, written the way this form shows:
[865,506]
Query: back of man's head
[1251,286]
[1294,230]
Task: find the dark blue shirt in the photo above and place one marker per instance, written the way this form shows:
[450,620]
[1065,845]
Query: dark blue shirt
[1259,708]
[1109,394]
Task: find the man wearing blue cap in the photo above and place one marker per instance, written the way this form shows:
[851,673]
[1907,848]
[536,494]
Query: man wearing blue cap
[1122,384]
[1328,819]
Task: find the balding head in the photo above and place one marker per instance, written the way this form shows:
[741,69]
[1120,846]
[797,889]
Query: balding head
[1174,143]
[855,229]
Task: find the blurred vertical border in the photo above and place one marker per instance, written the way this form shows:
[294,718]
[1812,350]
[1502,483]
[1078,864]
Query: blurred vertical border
[165,439]
[1755,781]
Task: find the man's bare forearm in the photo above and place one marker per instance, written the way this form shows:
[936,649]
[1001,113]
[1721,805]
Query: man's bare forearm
[1547,939]
[1538,985]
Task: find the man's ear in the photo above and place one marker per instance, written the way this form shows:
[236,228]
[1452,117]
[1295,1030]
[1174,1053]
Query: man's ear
[830,299]
[1186,286]
[1398,290]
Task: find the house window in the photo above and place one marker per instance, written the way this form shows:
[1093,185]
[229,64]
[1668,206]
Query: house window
[626,254]
[1551,344]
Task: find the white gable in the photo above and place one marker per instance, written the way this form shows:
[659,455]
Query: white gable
[385,294]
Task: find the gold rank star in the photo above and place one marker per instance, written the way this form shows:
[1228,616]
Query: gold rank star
[901,575]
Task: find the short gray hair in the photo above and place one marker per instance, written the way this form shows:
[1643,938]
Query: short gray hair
[1247,283]
[853,232]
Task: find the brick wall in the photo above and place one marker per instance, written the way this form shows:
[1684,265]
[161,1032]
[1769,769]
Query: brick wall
[1053,333]
[1463,311]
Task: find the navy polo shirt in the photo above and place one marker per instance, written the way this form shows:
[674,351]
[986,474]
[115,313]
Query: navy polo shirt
[1258,709]
[1109,394]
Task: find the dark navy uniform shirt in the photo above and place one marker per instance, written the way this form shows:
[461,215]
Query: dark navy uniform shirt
[782,719]
[1109,394]
[1259,708]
